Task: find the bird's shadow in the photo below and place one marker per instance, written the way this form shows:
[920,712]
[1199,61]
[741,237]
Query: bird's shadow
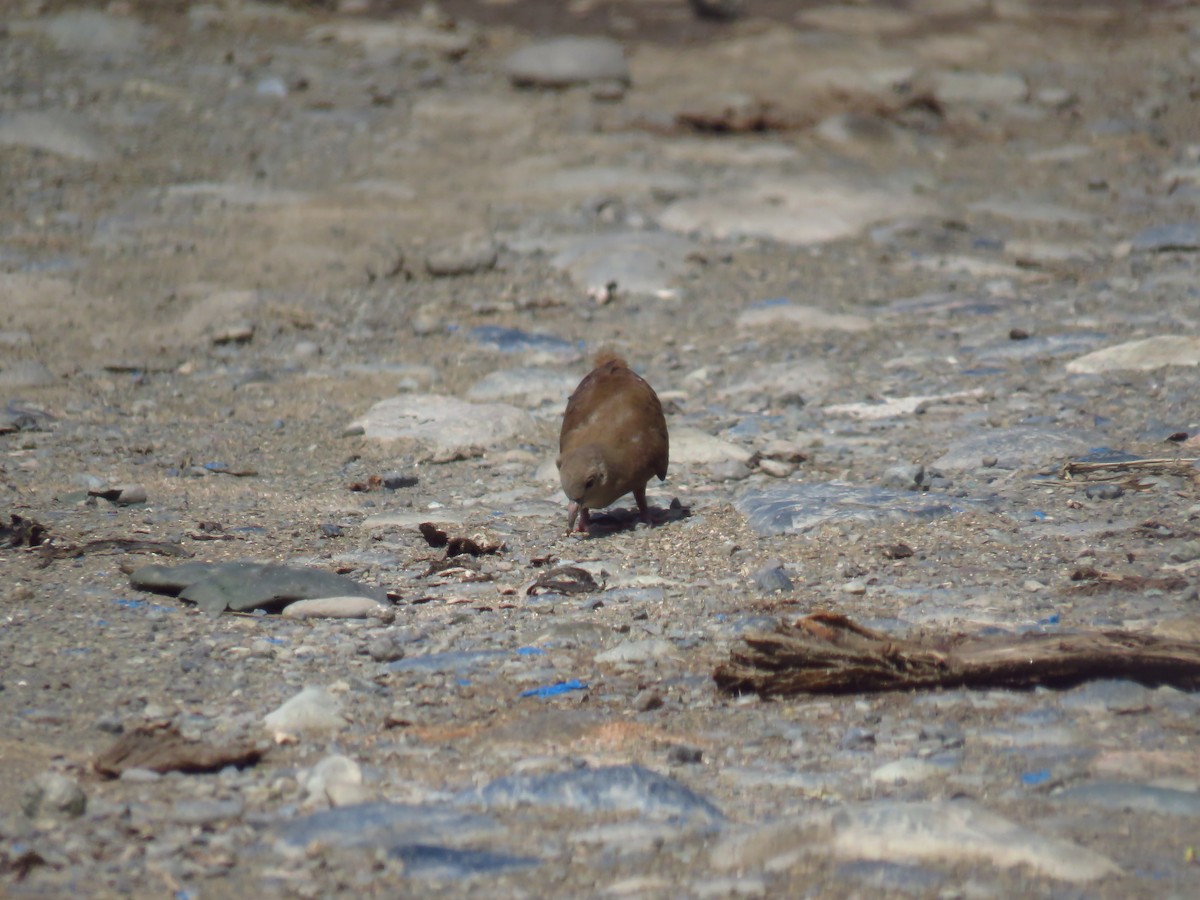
[627,518]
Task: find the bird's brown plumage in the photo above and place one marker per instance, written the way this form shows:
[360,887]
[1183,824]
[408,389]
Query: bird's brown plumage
[613,440]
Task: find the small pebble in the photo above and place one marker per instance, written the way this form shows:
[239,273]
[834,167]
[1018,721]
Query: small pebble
[855,586]
[1103,491]
[685,755]
[647,700]
[384,649]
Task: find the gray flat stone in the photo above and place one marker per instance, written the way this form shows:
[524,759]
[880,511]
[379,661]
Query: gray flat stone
[246,586]
[385,825]
[959,831]
[447,427]
[785,314]
[1025,447]
[530,386]
[607,789]
[1144,355]
[801,211]
[312,711]
[1174,236]
[642,263]
[1128,796]
[564,61]
[794,508]
[59,133]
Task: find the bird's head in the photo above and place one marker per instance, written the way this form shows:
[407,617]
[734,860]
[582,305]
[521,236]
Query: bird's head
[584,475]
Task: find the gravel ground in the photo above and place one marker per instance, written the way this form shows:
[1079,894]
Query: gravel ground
[916,283]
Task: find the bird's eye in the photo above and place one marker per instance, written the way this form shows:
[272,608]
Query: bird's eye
[590,483]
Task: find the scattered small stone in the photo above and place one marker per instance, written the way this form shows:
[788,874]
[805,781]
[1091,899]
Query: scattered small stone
[122,494]
[468,255]
[601,789]
[332,772]
[1103,491]
[772,576]
[857,738]
[1185,552]
[683,754]
[394,481]
[385,649]
[339,608]
[330,530]
[904,477]
[638,651]
[855,587]
[564,61]
[647,701]
[54,796]
[728,470]
[312,711]
[776,468]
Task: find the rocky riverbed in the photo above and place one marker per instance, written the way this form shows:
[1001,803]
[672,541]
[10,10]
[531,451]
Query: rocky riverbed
[916,282]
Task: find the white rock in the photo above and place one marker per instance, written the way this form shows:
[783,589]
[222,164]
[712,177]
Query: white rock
[530,386]
[311,711]
[332,772]
[1144,355]
[906,771]
[691,446]
[89,31]
[450,428]
[564,61]
[979,87]
[1034,211]
[801,318]
[338,608]
[638,262]
[59,133]
[638,651]
[890,407]
[957,832]
[805,210]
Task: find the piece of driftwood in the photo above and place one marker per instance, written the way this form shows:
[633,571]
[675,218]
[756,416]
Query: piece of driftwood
[164,749]
[827,653]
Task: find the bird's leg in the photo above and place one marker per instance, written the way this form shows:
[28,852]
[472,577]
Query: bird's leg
[639,494]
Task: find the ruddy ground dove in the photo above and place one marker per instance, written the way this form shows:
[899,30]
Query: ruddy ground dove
[614,438]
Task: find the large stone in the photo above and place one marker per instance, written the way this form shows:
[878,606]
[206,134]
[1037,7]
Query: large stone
[794,508]
[804,210]
[312,711]
[636,262]
[59,133]
[781,313]
[246,586]
[446,426]
[691,446]
[564,61]
[1144,355]
[1024,447]
[591,790]
[960,831]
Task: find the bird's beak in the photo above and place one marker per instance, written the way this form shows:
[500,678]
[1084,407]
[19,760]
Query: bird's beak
[572,515]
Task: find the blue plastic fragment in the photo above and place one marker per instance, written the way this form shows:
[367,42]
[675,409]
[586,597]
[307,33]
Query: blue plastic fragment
[464,682]
[1033,779]
[275,640]
[553,690]
[216,466]
[141,604]
[1051,619]
[1039,515]
[530,651]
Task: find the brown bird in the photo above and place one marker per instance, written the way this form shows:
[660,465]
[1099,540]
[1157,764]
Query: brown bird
[614,438]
